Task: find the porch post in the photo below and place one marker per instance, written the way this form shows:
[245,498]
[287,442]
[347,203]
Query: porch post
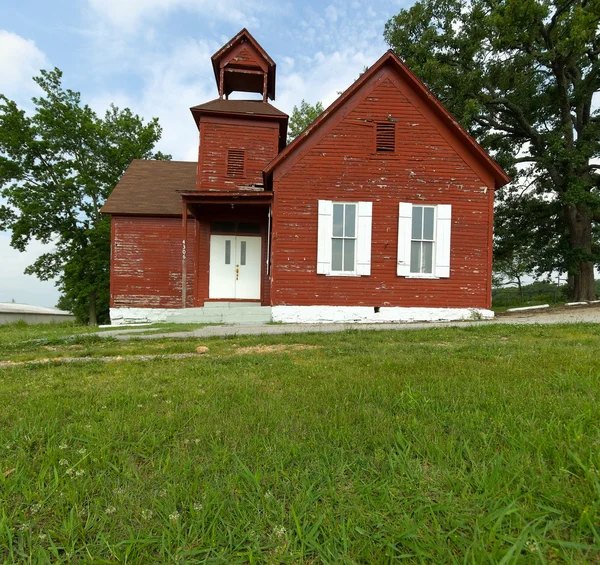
[184,256]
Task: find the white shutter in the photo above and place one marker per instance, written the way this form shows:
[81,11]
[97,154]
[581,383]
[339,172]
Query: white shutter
[363,254]
[404,236]
[325,232]
[442,240]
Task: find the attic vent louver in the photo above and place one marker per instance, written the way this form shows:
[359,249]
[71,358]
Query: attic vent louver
[385,137]
[235,163]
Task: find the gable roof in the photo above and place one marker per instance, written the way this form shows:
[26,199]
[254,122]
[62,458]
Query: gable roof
[390,58]
[152,188]
[245,35]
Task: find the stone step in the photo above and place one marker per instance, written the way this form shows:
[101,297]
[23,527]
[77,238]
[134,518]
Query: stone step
[224,315]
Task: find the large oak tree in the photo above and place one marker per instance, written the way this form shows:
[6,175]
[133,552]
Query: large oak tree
[521,76]
[57,167]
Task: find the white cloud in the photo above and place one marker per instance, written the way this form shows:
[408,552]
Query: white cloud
[20,60]
[22,288]
[127,15]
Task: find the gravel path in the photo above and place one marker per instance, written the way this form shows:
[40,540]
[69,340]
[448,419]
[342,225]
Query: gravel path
[559,315]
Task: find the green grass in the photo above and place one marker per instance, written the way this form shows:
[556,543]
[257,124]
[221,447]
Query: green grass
[475,445]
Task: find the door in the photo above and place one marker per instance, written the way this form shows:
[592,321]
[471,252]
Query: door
[235,265]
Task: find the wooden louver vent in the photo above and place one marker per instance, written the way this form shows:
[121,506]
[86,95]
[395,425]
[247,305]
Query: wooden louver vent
[385,137]
[235,163]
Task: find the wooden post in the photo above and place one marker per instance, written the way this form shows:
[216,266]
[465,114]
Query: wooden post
[265,87]
[221,82]
[184,256]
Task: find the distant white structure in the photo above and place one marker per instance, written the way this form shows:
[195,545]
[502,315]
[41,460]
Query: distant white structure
[11,312]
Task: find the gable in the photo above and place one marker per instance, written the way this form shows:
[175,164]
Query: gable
[390,72]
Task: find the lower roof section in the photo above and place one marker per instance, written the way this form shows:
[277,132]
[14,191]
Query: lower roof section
[152,188]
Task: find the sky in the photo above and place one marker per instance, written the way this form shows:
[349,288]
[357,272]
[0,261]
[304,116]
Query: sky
[153,56]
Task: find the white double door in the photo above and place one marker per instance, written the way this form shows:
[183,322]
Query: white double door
[235,267]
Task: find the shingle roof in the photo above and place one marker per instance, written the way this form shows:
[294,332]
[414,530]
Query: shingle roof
[151,188]
[250,107]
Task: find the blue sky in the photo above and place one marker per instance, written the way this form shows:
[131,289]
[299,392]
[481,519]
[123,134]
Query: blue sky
[154,57]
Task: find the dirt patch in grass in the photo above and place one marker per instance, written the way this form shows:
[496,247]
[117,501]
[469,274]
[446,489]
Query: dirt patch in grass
[277,348]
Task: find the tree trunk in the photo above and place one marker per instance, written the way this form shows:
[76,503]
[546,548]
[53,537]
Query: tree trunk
[92,318]
[580,236]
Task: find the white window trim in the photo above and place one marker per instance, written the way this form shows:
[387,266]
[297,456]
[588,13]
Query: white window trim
[362,246]
[441,245]
[433,241]
[353,272]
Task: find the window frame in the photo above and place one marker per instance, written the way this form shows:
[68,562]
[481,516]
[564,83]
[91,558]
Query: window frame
[343,238]
[421,274]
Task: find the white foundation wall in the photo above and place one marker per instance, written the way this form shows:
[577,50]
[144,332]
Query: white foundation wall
[122,316]
[367,315]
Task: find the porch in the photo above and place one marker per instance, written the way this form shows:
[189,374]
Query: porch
[231,263]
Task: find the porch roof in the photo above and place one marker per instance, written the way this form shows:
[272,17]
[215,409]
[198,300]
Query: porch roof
[226,197]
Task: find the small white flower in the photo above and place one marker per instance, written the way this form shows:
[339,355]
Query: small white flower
[196,441]
[119,491]
[88,426]
[279,531]
[186,441]
[22,527]
[197,506]
[268,494]
[63,462]
[174,516]
[35,508]
[63,446]
[110,510]
[82,451]
[69,472]
[154,395]
[42,537]
[147,514]
[168,402]
[79,472]
[140,405]
[102,407]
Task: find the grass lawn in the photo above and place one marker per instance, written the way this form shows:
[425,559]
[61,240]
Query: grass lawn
[476,445]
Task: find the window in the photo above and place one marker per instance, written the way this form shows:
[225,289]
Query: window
[424,240]
[421,246]
[344,238]
[385,137]
[343,250]
[235,163]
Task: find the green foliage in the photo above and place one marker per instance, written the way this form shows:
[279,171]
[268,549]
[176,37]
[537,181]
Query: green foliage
[538,292]
[520,75]
[57,167]
[302,117]
[422,446]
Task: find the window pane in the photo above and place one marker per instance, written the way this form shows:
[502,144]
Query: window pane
[427,257]
[415,257]
[349,254]
[428,214]
[243,253]
[336,254]
[417,222]
[338,220]
[350,223]
[228,252]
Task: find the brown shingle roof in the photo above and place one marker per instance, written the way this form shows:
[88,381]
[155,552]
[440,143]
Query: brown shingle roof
[151,188]
[249,107]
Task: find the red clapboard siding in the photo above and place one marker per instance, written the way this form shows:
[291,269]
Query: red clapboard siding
[343,166]
[258,139]
[146,262]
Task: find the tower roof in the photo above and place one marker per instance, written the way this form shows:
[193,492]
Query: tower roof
[243,65]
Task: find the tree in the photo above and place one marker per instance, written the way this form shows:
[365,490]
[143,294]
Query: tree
[520,76]
[302,117]
[57,167]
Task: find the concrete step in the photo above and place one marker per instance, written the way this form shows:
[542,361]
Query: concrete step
[223,315]
[219,305]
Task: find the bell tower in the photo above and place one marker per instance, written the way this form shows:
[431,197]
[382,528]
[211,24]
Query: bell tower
[243,65]
[238,138]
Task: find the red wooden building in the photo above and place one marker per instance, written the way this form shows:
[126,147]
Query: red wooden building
[381,210]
